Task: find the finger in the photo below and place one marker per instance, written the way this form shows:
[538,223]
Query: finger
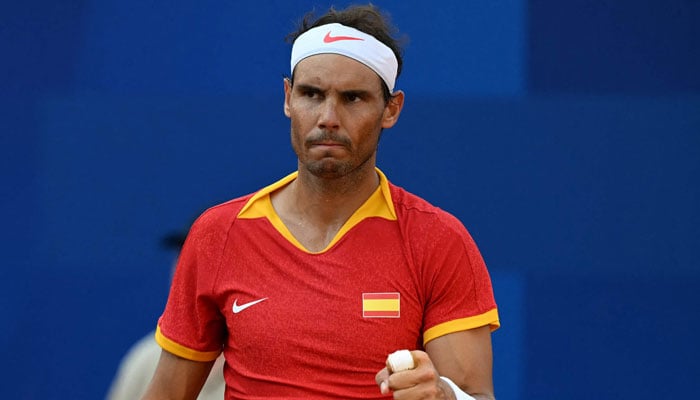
[400,360]
[381,375]
[382,379]
[423,374]
[420,358]
[384,387]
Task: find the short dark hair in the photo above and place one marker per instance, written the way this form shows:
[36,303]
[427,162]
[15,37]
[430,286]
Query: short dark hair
[366,18]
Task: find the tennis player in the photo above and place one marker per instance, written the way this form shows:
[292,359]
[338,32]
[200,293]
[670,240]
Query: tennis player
[308,284]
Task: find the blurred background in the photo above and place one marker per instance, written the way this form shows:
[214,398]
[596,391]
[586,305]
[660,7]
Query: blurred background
[564,134]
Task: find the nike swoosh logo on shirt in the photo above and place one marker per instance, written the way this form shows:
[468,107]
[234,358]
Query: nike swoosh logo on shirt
[237,308]
[330,39]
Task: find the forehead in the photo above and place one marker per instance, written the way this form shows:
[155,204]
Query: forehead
[335,69]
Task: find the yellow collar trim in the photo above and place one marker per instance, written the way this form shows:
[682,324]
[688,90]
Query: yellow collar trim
[379,204]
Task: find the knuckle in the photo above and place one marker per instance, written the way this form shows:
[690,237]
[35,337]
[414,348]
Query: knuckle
[428,375]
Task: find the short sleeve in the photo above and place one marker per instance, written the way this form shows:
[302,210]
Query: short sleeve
[458,286]
[192,326]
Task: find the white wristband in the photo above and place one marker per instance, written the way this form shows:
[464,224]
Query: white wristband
[459,393]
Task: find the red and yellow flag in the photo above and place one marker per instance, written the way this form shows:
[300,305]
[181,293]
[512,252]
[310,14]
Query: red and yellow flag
[381,305]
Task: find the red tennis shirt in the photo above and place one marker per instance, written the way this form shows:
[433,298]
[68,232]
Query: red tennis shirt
[299,324]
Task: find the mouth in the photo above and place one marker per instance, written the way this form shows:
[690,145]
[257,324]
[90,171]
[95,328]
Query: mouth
[327,149]
[330,142]
[326,143]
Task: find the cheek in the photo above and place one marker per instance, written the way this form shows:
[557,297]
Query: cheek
[371,130]
[300,116]
[296,134]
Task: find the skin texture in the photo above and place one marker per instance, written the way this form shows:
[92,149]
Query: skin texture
[337,114]
[464,357]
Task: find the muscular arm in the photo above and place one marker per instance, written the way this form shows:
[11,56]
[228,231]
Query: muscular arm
[466,358]
[177,378]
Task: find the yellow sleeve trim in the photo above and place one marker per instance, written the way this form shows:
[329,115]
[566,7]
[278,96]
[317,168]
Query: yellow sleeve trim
[463,324]
[184,352]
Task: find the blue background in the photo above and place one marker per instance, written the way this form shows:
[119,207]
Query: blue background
[564,134]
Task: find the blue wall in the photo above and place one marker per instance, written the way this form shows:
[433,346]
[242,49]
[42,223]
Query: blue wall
[566,136]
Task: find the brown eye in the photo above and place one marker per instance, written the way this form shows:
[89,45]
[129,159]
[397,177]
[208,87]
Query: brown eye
[352,97]
[311,94]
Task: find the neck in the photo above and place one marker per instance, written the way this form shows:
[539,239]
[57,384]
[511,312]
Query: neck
[314,209]
[324,199]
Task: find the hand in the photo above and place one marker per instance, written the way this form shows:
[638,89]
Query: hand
[422,382]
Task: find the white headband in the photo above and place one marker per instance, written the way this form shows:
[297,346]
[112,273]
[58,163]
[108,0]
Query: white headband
[350,42]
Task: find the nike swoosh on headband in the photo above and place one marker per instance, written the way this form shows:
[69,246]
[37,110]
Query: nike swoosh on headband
[330,39]
[350,42]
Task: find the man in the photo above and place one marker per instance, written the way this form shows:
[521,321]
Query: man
[308,284]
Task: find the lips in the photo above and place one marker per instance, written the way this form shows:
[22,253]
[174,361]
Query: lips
[328,144]
[327,139]
[327,148]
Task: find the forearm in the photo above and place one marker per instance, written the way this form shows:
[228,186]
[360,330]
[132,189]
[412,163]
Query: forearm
[177,378]
[465,357]
[454,392]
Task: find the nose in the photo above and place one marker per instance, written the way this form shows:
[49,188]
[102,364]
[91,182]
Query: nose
[328,117]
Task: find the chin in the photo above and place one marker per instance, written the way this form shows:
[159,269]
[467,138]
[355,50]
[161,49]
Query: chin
[329,168]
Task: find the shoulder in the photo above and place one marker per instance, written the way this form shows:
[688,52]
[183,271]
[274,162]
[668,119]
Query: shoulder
[211,229]
[430,231]
[224,212]
[414,212]
[219,217]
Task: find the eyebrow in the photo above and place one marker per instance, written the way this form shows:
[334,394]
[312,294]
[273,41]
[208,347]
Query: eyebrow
[308,88]
[311,88]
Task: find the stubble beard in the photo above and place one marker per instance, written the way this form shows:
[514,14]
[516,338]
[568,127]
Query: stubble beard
[328,167]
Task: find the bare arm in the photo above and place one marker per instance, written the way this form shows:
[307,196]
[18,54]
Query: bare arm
[177,378]
[466,358]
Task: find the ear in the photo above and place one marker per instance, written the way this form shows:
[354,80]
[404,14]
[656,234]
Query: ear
[287,95]
[392,110]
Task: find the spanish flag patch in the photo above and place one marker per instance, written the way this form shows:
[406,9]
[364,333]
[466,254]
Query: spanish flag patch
[381,305]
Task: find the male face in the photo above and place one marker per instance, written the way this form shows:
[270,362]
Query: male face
[337,112]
